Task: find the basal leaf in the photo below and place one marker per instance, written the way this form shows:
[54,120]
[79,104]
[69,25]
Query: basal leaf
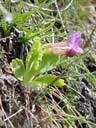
[48,62]
[18,68]
[34,55]
[32,60]
[47,80]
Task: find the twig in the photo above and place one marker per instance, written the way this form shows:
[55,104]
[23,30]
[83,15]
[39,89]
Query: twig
[5,113]
[20,110]
[30,113]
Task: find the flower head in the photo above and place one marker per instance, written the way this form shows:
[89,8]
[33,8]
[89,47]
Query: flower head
[75,41]
[69,48]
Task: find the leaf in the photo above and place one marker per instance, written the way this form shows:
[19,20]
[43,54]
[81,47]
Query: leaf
[21,19]
[48,62]
[6,28]
[34,56]
[31,33]
[47,80]
[18,68]
[32,60]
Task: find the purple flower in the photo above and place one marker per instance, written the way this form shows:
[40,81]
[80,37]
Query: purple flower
[70,47]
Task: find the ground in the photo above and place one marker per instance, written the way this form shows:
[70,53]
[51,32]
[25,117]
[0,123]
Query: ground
[70,106]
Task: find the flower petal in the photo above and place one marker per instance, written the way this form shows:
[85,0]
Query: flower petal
[75,41]
[80,50]
[59,44]
[58,52]
[70,53]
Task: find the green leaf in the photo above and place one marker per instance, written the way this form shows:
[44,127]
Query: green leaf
[21,19]
[47,80]
[31,33]
[33,59]
[18,68]
[34,55]
[48,62]
[6,28]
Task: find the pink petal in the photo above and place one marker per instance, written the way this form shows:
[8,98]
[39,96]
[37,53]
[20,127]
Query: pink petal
[59,44]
